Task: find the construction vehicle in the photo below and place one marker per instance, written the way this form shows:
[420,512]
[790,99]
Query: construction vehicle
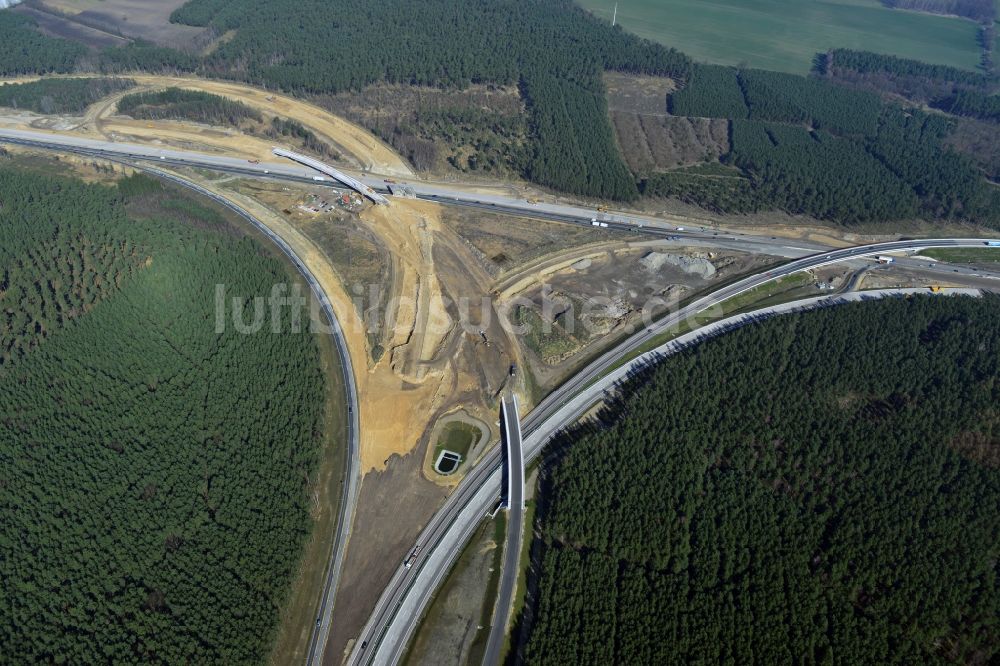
[390,180]
[882,259]
[935,289]
[254,161]
[408,562]
[532,201]
[602,209]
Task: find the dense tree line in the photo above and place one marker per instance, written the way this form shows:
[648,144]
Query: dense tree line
[286,127]
[860,160]
[909,143]
[554,50]
[713,91]
[798,171]
[971,103]
[155,473]
[977,10]
[60,95]
[818,488]
[776,96]
[725,92]
[866,62]
[141,56]
[722,195]
[890,75]
[24,50]
[53,274]
[817,174]
[180,104]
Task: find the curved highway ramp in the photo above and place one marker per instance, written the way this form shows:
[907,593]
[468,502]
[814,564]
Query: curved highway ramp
[510,431]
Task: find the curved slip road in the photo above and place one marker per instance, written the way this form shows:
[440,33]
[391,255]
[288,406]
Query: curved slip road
[514,445]
[385,637]
[321,631]
[477,478]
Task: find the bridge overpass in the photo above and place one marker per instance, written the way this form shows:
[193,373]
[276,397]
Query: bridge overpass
[336,174]
[510,432]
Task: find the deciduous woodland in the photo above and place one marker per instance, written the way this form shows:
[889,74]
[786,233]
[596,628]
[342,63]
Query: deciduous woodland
[154,474]
[817,488]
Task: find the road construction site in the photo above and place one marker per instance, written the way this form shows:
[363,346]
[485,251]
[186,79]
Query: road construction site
[423,295]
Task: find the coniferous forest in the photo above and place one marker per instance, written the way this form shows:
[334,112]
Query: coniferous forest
[808,146]
[153,473]
[58,95]
[817,488]
[553,49]
[177,103]
[854,108]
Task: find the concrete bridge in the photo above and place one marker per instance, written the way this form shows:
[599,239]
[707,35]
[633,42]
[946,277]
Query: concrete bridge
[510,432]
[336,174]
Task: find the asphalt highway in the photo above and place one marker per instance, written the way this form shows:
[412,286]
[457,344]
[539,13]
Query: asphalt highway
[397,612]
[349,497]
[384,638]
[514,446]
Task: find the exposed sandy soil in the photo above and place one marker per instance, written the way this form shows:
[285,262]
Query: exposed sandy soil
[445,344]
[433,362]
[596,296]
[354,140]
[355,143]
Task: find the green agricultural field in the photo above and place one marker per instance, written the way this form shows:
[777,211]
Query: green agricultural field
[784,35]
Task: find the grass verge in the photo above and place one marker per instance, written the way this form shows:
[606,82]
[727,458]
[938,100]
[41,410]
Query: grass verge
[965,255]
[433,617]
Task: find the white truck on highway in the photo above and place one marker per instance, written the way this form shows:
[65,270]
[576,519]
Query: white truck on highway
[882,259]
[408,562]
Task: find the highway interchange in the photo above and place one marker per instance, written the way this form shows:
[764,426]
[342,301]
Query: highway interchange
[514,448]
[388,630]
[392,622]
